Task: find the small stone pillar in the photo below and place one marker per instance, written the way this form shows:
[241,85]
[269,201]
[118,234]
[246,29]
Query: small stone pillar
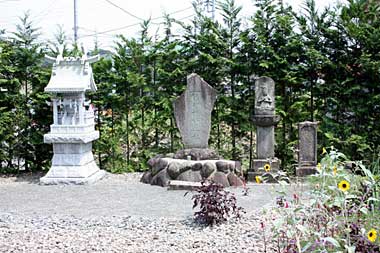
[73,128]
[265,121]
[307,148]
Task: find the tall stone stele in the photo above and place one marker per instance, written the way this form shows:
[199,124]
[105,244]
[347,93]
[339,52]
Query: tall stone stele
[192,111]
[265,120]
[73,128]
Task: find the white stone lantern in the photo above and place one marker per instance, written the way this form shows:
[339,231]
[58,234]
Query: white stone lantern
[73,128]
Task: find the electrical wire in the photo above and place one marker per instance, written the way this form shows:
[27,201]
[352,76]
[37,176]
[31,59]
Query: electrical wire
[124,10]
[128,26]
[6,1]
[108,31]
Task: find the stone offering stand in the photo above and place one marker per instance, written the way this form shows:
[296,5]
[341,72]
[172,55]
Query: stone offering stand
[196,162]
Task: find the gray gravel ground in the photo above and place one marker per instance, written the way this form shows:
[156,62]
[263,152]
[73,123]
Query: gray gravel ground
[119,214]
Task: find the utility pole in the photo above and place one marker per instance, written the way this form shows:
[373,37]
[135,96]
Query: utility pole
[213,10]
[75,23]
[210,7]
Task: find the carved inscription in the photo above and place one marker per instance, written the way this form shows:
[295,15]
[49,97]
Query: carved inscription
[192,112]
[195,106]
[308,143]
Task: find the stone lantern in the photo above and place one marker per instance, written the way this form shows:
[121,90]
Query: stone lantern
[73,128]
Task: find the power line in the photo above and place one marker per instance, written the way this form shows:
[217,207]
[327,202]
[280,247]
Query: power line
[111,30]
[128,26]
[173,13]
[6,1]
[186,17]
[124,10]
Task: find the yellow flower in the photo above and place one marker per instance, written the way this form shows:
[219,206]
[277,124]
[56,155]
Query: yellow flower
[372,235]
[258,179]
[324,151]
[335,170]
[319,166]
[267,167]
[344,185]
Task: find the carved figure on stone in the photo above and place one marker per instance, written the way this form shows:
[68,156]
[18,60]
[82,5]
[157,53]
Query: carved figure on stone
[265,101]
[264,96]
[265,121]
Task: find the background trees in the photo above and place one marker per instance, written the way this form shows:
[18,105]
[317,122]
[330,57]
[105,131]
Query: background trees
[326,66]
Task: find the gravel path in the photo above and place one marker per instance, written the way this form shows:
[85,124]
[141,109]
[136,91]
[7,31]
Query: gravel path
[119,214]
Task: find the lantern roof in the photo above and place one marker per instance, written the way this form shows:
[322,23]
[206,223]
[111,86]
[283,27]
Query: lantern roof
[71,74]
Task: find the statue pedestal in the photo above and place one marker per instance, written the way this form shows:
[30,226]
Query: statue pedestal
[264,145]
[73,161]
[258,167]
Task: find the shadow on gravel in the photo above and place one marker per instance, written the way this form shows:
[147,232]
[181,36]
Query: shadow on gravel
[27,177]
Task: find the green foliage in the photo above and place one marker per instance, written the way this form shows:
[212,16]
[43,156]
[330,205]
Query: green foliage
[335,215]
[22,102]
[325,65]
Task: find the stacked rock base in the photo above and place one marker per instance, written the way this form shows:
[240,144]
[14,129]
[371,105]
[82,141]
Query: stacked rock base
[163,169]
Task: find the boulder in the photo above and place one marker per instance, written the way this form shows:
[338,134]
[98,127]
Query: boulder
[234,180]
[197,154]
[153,160]
[146,178]
[190,175]
[238,170]
[176,168]
[196,166]
[161,179]
[224,166]
[158,165]
[220,178]
[207,169]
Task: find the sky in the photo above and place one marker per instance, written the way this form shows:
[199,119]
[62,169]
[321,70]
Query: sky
[101,20]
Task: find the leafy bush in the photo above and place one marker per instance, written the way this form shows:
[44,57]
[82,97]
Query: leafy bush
[338,214]
[216,205]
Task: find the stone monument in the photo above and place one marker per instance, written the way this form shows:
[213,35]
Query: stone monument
[307,148]
[73,128]
[265,120]
[192,111]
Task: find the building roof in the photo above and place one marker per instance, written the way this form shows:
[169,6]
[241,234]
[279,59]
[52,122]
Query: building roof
[71,75]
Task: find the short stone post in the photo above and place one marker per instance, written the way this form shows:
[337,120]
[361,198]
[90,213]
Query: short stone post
[265,121]
[307,148]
